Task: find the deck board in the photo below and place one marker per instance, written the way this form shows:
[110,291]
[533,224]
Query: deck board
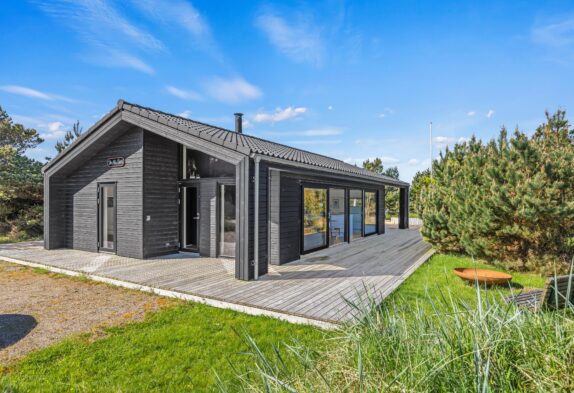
[317,286]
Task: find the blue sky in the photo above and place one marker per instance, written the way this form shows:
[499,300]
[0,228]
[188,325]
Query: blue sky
[353,80]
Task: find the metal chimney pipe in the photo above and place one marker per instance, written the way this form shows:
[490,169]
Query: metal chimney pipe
[239,123]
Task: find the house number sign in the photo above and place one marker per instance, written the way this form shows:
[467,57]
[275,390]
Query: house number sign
[116,162]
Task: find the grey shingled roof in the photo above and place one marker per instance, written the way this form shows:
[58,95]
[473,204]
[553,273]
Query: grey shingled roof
[248,144]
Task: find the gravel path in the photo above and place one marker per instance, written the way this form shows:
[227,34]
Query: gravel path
[38,309]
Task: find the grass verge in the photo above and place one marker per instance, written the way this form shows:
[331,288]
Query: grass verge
[434,334]
[4,239]
[177,349]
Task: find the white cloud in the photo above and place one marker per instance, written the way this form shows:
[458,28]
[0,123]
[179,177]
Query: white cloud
[413,162]
[471,113]
[111,37]
[183,94]
[232,91]
[182,14]
[54,130]
[330,107]
[317,142]
[490,113]
[279,114]
[443,141]
[247,124]
[555,34]
[33,93]
[386,112]
[299,40]
[329,131]
[110,57]
[99,21]
[186,113]
[386,160]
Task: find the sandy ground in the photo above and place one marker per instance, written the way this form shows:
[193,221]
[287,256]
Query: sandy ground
[38,309]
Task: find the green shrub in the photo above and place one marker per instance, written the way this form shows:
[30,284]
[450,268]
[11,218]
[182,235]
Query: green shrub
[511,200]
[29,223]
[458,347]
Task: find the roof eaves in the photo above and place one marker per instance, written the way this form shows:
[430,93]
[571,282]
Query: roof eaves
[83,136]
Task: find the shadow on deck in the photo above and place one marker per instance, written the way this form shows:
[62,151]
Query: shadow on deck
[314,288]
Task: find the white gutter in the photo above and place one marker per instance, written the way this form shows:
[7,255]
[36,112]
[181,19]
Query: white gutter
[256,220]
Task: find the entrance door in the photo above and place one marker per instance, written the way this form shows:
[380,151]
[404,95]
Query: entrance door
[190,218]
[107,217]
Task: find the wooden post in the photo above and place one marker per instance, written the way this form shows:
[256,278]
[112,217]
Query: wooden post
[403,208]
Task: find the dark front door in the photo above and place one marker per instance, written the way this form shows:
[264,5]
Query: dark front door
[190,218]
[107,202]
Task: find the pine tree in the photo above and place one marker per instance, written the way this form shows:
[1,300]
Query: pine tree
[391,193]
[70,136]
[419,185]
[511,200]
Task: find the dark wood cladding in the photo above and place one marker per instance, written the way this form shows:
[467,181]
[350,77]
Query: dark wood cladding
[57,212]
[160,196]
[403,208]
[77,226]
[263,218]
[381,209]
[285,218]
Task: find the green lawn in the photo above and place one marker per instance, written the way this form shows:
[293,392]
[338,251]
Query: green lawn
[181,348]
[177,349]
[436,280]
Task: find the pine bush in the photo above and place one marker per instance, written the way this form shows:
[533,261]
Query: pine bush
[510,200]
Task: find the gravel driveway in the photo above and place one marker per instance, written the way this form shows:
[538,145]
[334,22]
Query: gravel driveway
[38,309]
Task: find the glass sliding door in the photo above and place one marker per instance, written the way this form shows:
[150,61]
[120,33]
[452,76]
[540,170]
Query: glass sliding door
[107,217]
[314,218]
[337,203]
[227,226]
[370,212]
[355,214]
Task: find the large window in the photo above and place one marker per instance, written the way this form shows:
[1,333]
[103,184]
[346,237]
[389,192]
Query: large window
[370,212]
[337,203]
[227,228]
[355,214]
[314,218]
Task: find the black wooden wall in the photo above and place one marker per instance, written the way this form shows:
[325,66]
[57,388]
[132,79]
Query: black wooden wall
[79,192]
[160,195]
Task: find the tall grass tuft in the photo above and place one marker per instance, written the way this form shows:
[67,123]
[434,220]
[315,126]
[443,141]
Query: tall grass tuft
[487,346]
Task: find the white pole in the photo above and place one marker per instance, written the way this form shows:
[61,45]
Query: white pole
[430,147]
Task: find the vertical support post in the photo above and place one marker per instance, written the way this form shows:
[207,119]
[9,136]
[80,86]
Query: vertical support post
[46,211]
[381,210]
[403,208]
[242,214]
[256,221]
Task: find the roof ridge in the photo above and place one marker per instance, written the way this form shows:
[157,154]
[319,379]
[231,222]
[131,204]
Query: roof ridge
[121,103]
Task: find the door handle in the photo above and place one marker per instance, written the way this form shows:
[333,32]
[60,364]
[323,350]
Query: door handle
[196,217]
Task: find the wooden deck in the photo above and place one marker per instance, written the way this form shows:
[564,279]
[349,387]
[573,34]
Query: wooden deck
[316,287]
